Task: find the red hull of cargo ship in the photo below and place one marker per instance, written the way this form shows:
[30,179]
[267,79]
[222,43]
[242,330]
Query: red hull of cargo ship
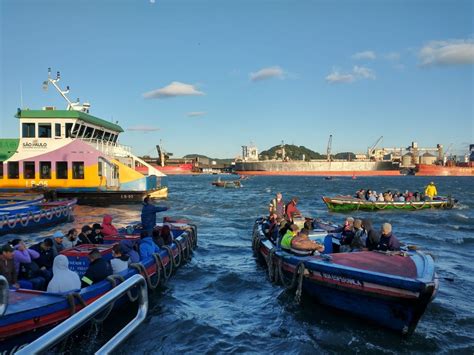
[437,170]
[181,169]
[324,173]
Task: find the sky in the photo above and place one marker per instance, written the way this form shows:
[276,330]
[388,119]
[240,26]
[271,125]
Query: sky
[208,76]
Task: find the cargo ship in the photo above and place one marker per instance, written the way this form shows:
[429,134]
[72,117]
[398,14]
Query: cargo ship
[447,167]
[75,154]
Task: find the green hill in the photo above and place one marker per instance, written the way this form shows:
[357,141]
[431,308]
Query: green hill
[293,152]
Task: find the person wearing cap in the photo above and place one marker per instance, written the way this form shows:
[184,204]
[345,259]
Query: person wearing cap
[98,269]
[431,191]
[7,265]
[108,229]
[148,216]
[58,246]
[291,210]
[64,280]
[46,257]
[84,236]
[388,242]
[96,236]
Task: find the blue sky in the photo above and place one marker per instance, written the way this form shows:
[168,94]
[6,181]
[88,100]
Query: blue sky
[213,75]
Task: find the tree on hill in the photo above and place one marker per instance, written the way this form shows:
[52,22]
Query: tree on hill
[293,152]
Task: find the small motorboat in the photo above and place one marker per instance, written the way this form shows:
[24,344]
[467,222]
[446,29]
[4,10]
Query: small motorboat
[227,183]
[348,203]
[328,178]
[31,313]
[16,199]
[392,289]
[21,218]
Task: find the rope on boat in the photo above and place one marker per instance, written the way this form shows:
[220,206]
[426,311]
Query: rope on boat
[180,253]
[71,299]
[271,268]
[291,285]
[113,280]
[143,271]
[172,261]
[255,242]
[418,208]
[299,290]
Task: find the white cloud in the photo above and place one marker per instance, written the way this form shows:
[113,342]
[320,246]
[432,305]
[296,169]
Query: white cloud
[392,56]
[450,52]
[144,129]
[358,73]
[196,113]
[268,73]
[365,55]
[172,90]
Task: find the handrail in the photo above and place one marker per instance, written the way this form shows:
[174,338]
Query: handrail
[71,324]
[4,294]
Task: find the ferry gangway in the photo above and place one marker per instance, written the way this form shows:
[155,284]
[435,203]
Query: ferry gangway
[71,324]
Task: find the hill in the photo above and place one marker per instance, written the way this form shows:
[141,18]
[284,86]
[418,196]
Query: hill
[294,152]
[218,161]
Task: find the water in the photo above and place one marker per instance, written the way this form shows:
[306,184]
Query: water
[222,301]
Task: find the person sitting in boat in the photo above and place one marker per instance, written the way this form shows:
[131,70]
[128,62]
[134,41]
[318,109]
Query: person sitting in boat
[301,242]
[291,209]
[373,237]
[166,234]
[108,229]
[283,228]
[387,242]
[64,280]
[289,235]
[372,196]
[7,266]
[58,246]
[84,236]
[147,246]
[148,216]
[98,269]
[96,236]
[27,270]
[430,190]
[347,234]
[129,247]
[120,261]
[360,237]
[277,206]
[387,196]
[380,197]
[409,196]
[46,257]
[70,240]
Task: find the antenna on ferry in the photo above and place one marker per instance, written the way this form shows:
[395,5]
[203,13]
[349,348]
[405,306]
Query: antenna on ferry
[76,106]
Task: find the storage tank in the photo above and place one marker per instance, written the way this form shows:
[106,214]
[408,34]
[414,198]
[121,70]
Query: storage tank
[407,159]
[428,159]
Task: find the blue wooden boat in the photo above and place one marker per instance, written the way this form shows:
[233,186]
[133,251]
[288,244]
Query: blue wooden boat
[15,199]
[33,216]
[31,313]
[392,289]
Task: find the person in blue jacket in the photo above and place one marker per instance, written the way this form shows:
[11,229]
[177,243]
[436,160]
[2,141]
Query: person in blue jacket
[147,246]
[149,211]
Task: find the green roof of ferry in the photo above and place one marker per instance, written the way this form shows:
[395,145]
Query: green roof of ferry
[69,114]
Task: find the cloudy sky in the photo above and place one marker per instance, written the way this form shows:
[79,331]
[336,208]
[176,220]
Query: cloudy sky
[207,76]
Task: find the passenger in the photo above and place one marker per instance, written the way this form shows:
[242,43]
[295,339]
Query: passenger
[96,236]
[147,246]
[129,247]
[367,194]
[401,198]
[347,234]
[98,269]
[120,261]
[284,227]
[373,236]
[64,280]
[157,238]
[46,257]
[303,243]
[107,228]
[373,196]
[360,237]
[27,270]
[289,235]
[380,198]
[431,191]
[58,246]
[409,197]
[85,236]
[387,240]
[291,210]
[166,234]
[277,206]
[7,266]
[71,239]
[148,216]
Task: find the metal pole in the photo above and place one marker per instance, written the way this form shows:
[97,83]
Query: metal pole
[4,294]
[65,328]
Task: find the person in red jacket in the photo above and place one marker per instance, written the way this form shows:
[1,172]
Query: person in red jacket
[107,228]
[291,210]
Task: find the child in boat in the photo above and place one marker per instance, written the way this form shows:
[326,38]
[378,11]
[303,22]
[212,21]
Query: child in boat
[120,261]
[64,280]
[388,242]
[301,242]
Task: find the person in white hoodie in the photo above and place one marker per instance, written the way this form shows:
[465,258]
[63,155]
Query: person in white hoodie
[64,280]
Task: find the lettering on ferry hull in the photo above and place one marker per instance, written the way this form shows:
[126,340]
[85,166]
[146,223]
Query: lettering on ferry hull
[341,279]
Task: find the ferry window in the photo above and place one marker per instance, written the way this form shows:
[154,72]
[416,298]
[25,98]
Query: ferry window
[45,170]
[81,131]
[99,168]
[1,169]
[61,170]
[44,130]
[106,136]
[13,170]
[98,134]
[29,170]
[57,129]
[78,170]
[89,131]
[75,130]
[28,130]
[68,130]
[115,138]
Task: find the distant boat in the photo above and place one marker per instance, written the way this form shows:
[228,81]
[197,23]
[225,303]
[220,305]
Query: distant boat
[227,184]
[328,178]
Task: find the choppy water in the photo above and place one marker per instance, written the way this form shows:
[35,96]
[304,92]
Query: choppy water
[222,300]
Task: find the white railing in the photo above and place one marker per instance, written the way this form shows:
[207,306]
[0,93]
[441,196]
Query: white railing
[109,148]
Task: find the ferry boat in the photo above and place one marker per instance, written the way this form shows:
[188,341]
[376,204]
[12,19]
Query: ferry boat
[76,154]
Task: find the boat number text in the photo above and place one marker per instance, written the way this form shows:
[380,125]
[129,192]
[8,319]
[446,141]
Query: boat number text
[341,279]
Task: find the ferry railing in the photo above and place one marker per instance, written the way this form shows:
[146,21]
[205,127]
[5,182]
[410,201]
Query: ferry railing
[109,148]
[4,293]
[71,324]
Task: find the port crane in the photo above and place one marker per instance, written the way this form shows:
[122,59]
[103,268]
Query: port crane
[371,150]
[328,151]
